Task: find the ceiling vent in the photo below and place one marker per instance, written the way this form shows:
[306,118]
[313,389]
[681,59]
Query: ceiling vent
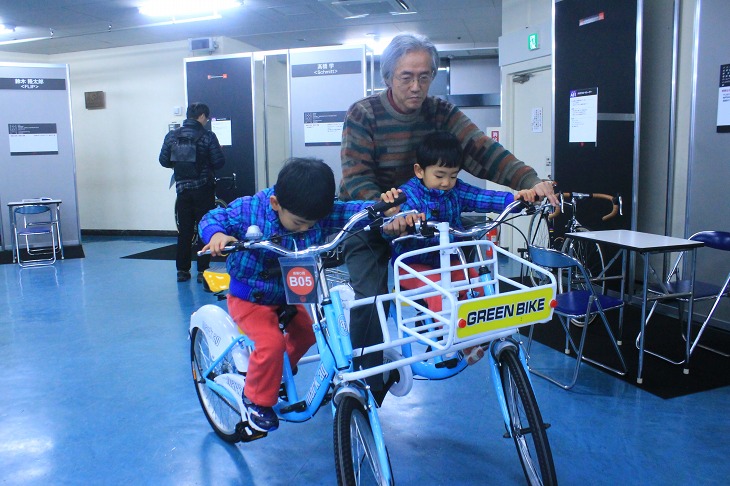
[353,9]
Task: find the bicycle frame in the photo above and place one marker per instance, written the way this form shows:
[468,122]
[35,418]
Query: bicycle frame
[493,317]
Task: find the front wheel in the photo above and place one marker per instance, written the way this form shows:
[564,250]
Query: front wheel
[222,414]
[526,425]
[356,455]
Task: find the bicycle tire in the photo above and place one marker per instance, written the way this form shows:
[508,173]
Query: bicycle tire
[222,415]
[220,203]
[531,442]
[356,458]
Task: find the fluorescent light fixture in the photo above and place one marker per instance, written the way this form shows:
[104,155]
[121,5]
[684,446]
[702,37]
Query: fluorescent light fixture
[20,41]
[176,21]
[177,8]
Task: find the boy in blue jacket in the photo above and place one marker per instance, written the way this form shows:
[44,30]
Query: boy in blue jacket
[299,211]
[437,193]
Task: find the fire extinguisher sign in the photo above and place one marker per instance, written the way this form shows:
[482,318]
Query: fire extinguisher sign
[299,279]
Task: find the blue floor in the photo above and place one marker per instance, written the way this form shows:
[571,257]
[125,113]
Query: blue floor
[99,392]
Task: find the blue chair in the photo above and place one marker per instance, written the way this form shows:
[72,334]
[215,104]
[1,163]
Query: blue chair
[702,291]
[580,303]
[35,226]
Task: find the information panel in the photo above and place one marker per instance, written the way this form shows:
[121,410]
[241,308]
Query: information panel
[324,83]
[37,156]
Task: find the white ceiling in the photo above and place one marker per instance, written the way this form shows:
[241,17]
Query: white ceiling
[468,27]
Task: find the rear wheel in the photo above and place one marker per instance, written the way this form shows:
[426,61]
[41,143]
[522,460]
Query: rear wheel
[356,456]
[222,413]
[526,425]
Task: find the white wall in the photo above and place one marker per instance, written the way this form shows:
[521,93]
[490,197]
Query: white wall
[120,183]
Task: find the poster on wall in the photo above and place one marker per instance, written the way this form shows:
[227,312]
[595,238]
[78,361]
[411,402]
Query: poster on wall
[583,115]
[322,128]
[723,100]
[222,129]
[33,139]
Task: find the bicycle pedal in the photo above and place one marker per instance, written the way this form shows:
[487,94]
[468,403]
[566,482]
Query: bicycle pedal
[294,407]
[247,434]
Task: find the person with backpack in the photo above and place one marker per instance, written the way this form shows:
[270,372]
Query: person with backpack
[194,153]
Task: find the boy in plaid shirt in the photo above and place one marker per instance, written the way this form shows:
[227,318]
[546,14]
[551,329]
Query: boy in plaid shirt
[299,211]
[439,195]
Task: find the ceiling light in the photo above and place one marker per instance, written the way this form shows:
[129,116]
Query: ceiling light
[177,8]
[7,29]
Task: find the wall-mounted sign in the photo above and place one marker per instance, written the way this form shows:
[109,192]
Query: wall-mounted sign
[323,128]
[593,18]
[723,100]
[222,129]
[95,100]
[33,84]
[533,42]
[33,139]
[583,115]
[326,69]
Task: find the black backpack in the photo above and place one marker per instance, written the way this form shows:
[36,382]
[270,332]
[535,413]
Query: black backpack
[184,154]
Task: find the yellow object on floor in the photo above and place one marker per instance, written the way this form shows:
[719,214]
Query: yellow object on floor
[217,279]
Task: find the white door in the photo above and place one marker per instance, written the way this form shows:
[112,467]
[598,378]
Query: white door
[531,128]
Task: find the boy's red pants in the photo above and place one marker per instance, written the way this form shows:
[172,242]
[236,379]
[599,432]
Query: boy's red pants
[261,324]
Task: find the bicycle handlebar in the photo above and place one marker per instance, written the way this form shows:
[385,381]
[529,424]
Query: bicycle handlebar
[372,212]
[573,197]
[427,229]
[231,179]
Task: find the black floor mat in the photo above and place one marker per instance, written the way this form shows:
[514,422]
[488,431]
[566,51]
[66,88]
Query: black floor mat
[164,253]
[707,370]
[74,251]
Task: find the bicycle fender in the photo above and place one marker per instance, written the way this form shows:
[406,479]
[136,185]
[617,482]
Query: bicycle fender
[219,329]
[495,348]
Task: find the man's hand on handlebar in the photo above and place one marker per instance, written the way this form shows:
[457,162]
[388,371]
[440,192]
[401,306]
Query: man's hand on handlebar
[217,243]
[529,195]
[545,189]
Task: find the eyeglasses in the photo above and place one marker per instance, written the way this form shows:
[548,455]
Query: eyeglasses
[407,79]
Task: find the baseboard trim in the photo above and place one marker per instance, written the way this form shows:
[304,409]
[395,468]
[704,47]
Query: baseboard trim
[96,232]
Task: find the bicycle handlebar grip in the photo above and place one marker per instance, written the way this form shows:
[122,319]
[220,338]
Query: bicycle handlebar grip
[556,212]
[382,206]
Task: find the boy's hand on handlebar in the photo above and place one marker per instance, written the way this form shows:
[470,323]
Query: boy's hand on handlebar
[389,197]
[399,226]
[545,189]
[217,243]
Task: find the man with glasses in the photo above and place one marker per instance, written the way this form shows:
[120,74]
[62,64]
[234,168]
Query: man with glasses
[379,140]
[196,190]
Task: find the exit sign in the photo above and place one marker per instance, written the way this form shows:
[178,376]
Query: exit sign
[533,42]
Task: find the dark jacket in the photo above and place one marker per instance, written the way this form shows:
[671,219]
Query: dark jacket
[209,154]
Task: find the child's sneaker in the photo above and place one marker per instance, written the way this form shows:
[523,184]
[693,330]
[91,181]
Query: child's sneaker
[263,419]
[473,354]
